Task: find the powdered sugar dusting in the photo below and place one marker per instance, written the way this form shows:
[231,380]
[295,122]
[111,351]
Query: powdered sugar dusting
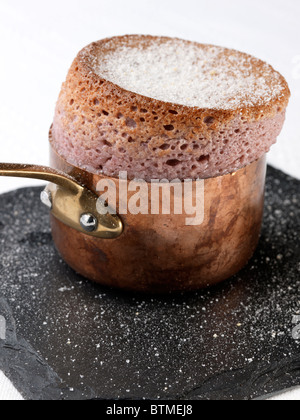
[191,74]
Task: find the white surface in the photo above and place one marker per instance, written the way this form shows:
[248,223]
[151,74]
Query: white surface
[7,391]
[39,39]
[290,395]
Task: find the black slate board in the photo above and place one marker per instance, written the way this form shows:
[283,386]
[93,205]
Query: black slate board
[69,339]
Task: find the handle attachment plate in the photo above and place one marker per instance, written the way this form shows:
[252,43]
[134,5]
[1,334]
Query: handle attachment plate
[69,201]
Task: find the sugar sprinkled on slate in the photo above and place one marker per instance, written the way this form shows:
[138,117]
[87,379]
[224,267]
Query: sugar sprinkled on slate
[231,341]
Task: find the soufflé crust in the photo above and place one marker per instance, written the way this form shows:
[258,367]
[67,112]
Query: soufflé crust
[164,108]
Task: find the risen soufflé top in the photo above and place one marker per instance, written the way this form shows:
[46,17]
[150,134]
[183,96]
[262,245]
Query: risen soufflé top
[161,108]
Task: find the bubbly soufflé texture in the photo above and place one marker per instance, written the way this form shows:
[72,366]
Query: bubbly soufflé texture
[167,108]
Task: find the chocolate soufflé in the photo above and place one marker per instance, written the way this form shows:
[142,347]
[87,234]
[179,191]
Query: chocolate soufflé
[164,108]
[167,109]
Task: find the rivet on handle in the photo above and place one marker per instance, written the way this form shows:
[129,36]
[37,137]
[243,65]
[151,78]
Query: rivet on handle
[71,203]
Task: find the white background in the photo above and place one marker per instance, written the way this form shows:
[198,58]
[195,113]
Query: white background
[39,39]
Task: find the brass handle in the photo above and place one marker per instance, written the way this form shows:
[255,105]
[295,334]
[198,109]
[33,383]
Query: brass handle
[70,202]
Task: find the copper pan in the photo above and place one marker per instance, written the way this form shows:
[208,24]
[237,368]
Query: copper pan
[153,253]
[160,253]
